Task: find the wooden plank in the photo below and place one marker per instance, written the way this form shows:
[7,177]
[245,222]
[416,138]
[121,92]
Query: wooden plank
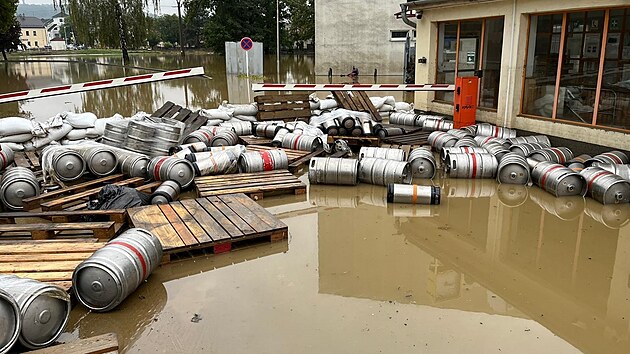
[48,266]
[45,276]
[119,216]
[250,185]
[370,106]
[192,224]
[304,159]
[244,212]
[172,111]
[43,257]
[261,212]
[102,344]
[21,160]
[183,114]
[272,98]
[57,204]
[212,228]
[220,218]
[151,218]
[101,230]
[291,114]
[240,225]
[34,159]
[283,106]
[179,226]
[244,175]
[162,110]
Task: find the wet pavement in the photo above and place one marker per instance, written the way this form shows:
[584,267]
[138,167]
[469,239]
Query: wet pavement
[508,269]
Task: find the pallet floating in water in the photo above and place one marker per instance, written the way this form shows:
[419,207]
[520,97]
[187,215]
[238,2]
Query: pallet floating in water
[219,223]
[256,185]
[283,107]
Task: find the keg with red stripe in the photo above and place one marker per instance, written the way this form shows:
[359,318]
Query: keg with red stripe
[542,139]
[165,168]
[413,194]
[524,149]
[199,136]
[558,155]
[461,150]
[265,160]
[611,157]
[485,140]
[485,129]
[605,186]
[422,163]
[513,169]
[328,170]
[558,180]
[382,153]
[6,157]
[439,140]
[622,171]
[436,124]
[224,138]
[112,273]
[497,150]
[301,142]
[475,165]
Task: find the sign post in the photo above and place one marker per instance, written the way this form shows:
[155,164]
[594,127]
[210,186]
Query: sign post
[247,44]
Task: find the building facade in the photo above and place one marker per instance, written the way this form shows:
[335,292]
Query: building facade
[33,32]
[560,68]
[361,33]
[54,26]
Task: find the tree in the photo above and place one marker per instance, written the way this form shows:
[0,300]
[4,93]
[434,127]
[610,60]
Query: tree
[7,14]
[195,19]
[9,27]
[301,27]
[167,28]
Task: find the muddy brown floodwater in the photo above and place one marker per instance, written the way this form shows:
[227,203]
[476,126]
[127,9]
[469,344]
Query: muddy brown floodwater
[492,269]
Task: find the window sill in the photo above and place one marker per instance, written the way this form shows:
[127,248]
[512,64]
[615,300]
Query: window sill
[568,122]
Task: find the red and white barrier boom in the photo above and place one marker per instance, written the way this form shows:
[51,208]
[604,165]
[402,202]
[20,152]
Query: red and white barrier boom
[352,87]
[101,84]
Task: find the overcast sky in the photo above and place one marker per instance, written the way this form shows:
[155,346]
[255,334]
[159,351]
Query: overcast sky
[166,6]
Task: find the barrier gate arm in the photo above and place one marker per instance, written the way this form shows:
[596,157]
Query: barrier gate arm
[100,84]
[352,87]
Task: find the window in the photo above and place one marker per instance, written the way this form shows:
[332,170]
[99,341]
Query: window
[578,67]
[34,33]
[61,20]
[29,43]
[396,36]
[27,33]
[465,47]
[36,44]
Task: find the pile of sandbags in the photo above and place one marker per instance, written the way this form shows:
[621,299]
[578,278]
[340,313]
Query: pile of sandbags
[227,112]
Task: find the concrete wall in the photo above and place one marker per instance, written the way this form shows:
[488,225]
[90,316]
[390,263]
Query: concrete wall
[516,13]
[357,32]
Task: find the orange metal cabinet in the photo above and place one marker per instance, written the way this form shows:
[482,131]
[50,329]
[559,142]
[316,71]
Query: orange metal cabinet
[466,97]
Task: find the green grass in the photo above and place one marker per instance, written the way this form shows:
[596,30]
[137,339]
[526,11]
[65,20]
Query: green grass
[87,52]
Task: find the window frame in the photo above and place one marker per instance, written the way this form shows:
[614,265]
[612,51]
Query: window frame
[600,64]
[401,39]
[481,46]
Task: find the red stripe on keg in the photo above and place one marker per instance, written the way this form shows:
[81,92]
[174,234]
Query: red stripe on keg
[4,160]
[596,176]
[496,131]
[613,156]
[156,169]
[559,154]
[544,176]
[466,150]
[295,144]
[207,135]
[439,123]
[474,165]
[177,72]
[267,163]
[214,163]
[134,250]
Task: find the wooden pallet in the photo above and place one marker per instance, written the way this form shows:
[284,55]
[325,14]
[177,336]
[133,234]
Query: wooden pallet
[255,185]
[27,159]
[418,138]
[356,140]
[193,120]
[283,107]
[357,101]
[303,161]
[103,230]
[49,261]
[255,140]
[118,217]
[106,343]
[219,223]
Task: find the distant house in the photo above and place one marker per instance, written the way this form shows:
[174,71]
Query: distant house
[58,44]
[54,25]
[33,32]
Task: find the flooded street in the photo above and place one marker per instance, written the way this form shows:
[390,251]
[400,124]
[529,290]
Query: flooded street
[489,270]
[492,269]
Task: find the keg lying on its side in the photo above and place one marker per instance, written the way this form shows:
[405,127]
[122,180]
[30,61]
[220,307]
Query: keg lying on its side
[402,118]
[301,142]
[382,153]
[44,309]
[384,132]
[167,192]
[383,172]
[17,184]
[461,165]
[513,169]
[497,150]
[67,164]
[164,168]
[10,321]
[485,129]
[605,186]
[6,157]
[112,273]
[558,155]
[413,194]
[101,161]
[461,150]
[439,140]
[542,139]
[611,157]
[437,124]
[328,170]
[266,160]
[224,138]
[622,171]
[524,149]
[558,180]
[577,163]
[422,163]
[133,165]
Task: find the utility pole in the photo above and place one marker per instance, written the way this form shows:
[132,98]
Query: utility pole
[278,40]
[181,33]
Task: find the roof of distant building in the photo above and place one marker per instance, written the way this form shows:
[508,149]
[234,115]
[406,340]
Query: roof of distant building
[60,14]
[30,22]
[58,39]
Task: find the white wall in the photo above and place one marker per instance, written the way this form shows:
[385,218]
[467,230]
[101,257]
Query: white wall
[516,14]
[357,32]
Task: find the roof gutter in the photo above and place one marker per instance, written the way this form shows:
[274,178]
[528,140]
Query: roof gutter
[428,4]
[403,15]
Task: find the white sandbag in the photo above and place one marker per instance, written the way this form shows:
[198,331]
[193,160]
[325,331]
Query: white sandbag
[233,120]
[390,100]
[316,112]
[378,102]
[249,109]
[246,118]
[28,146]
[214,122]
[99,125]
[15,126]
[71,142]
[314,105]
[77,134]
[17,138]
[403,107]
[327,104]
[14,146]
[54,134]
[215,114]
[386,108]
[80,120]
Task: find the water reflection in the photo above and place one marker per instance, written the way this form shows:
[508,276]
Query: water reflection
[508,250]
[194,93]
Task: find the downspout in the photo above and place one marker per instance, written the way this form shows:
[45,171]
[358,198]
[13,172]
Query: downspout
[403,16]
[511,71]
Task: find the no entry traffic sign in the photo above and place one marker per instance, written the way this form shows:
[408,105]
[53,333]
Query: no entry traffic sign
[247,44]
